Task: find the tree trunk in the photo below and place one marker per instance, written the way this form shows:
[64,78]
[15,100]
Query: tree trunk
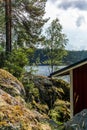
[8,25]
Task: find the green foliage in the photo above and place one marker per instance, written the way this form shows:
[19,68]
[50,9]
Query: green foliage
[74,56]
[64,86]
[27,22]
[16,61]
[33,96]
[60,111]
[70,58]
[55,43]
[8,128]
[32,92]
[48,96]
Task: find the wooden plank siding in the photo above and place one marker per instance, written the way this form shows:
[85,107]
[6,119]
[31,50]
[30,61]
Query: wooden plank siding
[80,88]
[78,85]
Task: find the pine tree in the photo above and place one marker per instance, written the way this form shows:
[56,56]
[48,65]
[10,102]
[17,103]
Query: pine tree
[26,21]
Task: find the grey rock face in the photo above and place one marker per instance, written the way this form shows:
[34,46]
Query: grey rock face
[78,122]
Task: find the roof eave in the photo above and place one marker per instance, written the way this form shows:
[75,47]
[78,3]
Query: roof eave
[66,70]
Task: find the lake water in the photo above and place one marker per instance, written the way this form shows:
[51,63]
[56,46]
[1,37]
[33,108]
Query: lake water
[45,70]
[42,70]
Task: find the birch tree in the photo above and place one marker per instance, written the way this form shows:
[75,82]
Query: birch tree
[55,44]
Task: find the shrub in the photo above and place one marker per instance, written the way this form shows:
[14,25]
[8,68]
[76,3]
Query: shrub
[16,61]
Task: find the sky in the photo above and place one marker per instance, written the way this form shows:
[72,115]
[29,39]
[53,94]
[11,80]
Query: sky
[72,15]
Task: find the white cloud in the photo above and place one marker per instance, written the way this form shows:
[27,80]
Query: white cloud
[73,20]
[80,21]
[79,4]
[51,10]
[77,39]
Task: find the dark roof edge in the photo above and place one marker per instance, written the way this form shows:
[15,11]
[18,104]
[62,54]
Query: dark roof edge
[68,67]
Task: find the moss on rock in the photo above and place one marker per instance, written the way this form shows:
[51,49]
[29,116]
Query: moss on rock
[52,96]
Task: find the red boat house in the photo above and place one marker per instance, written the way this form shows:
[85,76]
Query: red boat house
[78,84]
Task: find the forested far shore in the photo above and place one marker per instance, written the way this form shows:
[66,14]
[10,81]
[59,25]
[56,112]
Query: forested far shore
[41,58]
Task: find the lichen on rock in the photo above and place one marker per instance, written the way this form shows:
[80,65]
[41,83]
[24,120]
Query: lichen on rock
[33,105]
[14,113]
[10,84]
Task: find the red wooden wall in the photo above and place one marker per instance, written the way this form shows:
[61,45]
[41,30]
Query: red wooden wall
[80,88]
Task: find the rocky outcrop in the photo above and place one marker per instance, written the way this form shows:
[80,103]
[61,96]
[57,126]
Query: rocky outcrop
[14,115]
[78,122]
[14,112]
[49,96]
[39,104]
